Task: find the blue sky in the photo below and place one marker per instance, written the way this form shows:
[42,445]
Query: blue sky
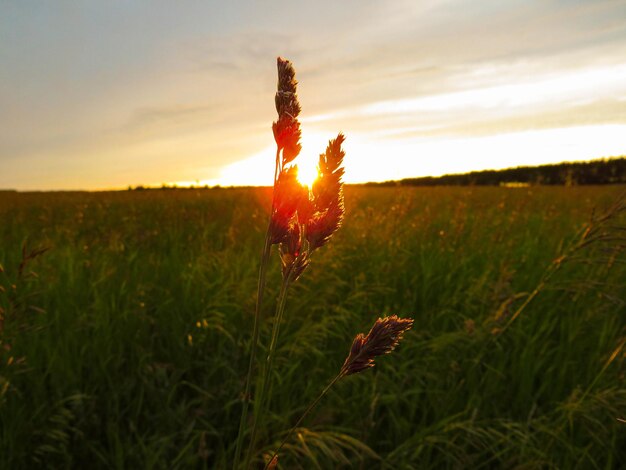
[100,95]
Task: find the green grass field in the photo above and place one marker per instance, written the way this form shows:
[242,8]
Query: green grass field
[125,344]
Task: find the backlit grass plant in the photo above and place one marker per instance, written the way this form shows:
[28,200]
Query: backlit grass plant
[302,220]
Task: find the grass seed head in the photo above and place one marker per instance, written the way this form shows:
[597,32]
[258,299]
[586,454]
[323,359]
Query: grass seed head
[323,225]
[327,196]
[287,129]
[381,339]
[302,220]
[288,193]
[294,260]
[293,266]
[329,187]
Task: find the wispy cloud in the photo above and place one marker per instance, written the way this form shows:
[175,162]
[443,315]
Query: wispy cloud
[112,94]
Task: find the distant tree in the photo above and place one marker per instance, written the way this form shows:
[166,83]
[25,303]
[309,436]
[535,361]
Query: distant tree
[604,171]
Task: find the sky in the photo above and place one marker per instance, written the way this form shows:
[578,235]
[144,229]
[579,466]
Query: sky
[100,95]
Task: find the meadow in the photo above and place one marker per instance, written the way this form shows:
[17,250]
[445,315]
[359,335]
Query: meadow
[125,343]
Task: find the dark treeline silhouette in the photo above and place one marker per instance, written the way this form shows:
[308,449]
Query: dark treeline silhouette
[605,171]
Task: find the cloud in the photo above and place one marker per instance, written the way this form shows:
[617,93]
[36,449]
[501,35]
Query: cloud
[584,96]
[149,115]
[166,94]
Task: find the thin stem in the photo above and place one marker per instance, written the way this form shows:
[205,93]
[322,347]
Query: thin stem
[277,167]
[265,256]
[306,412]
[260,398]
[280,310]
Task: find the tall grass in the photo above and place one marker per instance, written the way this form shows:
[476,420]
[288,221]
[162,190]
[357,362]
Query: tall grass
[127,336]
[302,220]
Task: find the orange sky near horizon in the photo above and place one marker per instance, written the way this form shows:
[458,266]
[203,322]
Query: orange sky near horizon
[107,95]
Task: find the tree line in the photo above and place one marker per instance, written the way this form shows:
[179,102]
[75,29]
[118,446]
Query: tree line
[604,171]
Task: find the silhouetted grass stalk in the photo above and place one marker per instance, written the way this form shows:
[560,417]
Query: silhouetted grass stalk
[287,135]
[304,415]
[381,339]
[302,221]
[260,399]
[265,256]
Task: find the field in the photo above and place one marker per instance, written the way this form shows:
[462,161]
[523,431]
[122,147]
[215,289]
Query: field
[124,345]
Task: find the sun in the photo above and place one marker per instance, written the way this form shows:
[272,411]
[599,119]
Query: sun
[307,171]
[307,175]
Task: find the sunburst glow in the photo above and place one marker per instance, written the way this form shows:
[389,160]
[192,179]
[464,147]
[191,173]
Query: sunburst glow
[313,143]
[307,171]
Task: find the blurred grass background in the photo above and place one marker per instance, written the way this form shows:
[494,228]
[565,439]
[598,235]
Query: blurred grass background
[125,344]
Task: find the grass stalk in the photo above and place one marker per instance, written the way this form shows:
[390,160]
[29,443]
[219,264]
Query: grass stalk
[588,235]
[312,405]
[301,221]
[261,397]
[265,257]
[382,338]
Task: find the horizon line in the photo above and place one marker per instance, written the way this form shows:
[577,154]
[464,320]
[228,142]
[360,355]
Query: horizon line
[244,186]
